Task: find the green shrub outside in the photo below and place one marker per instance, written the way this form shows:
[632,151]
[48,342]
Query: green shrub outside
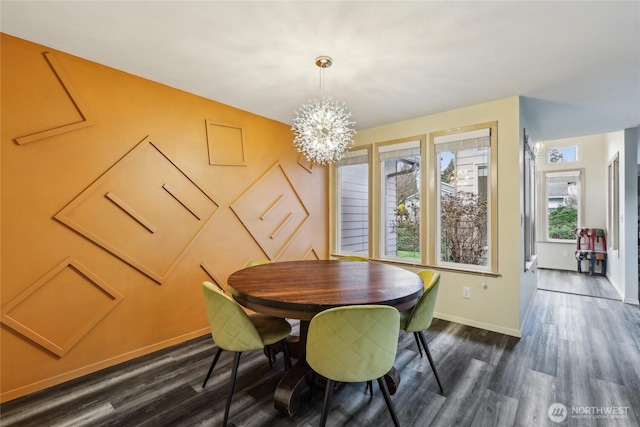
[563,221]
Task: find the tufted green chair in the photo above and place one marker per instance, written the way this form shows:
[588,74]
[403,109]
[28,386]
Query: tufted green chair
[361,259]
[418,319]
[353,344]
[234,330]
[268,353]
[259,262]
[352,258]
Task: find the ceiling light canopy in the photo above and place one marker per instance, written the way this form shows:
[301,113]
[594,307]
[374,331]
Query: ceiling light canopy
[323,131]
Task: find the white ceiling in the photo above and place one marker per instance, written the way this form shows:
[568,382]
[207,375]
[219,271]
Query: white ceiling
[576,63]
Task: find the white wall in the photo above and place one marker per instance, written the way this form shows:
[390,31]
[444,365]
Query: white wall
[622,265]
[630,230]
[615,260]
[592,156]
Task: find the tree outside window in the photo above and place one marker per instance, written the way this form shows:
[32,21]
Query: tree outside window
[463,210]
[562,154]
[406,223]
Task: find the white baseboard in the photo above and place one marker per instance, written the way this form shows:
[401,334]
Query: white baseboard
[631,301]
[481,325]
[617,288]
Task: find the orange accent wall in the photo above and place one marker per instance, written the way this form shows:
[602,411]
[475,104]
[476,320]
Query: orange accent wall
[119,197]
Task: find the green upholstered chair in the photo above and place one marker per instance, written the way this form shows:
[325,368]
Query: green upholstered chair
[352,258]
[353,344]
[360,259]
[418,319]
[259,262]
[234,330]
[269,355]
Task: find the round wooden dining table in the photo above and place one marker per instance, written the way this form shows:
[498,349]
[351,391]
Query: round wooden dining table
[302,289]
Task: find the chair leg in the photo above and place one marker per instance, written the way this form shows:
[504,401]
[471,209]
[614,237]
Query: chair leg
[287,356]
[385,392]
[232,384]
[433,366]
[369,387]
[213,364]
[415,335]
[267,350]
[327,401]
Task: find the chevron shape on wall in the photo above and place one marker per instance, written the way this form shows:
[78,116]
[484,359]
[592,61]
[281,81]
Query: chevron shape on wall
[73,96]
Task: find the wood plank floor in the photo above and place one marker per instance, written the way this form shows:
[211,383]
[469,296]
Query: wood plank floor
[573,282]
[579,351]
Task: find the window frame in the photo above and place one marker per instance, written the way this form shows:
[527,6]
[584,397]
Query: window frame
[378,205]
[562,147]
[427,203]
[337,211]
[544,207]
[492,201]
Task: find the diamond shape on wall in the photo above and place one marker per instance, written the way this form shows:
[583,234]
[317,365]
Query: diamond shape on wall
[272,212]
[225,143]
[58,310]
[144,210]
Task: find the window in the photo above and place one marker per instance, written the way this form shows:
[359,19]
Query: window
[613,205]
[400,200]
[562,154]
[464,220]
[352,179]
[392,206]
[562,204]
[529,195]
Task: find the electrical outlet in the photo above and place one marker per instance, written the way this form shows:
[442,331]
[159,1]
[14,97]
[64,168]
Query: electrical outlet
[565,253]
[466,293]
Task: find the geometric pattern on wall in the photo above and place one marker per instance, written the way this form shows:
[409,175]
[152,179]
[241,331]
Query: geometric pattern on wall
[272,212]
[225,143]
[144,210]
[310,254]
[73,96]
[58,310]
[212,274]
[306,164]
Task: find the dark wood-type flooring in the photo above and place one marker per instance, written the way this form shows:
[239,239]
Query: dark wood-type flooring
[573,282]
[580,351]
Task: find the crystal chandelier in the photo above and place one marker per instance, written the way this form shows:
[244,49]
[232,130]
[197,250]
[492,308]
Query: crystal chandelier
[323,131]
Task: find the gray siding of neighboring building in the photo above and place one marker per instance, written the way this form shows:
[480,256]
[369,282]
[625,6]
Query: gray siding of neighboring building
[354,213]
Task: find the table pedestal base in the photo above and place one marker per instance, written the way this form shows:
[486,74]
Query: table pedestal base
[291,387]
